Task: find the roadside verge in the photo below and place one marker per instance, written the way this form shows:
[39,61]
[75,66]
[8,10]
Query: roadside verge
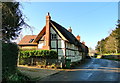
[37,73]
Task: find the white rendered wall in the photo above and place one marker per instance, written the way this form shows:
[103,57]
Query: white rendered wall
[73,53]
[61,44]
[41,43]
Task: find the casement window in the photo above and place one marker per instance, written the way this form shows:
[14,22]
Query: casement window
[53,36]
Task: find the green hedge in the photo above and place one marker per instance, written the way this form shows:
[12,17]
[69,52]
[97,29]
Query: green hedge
[48,54]
[10,74]
[9,57]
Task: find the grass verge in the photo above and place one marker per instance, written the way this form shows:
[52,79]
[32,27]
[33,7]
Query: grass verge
[16,77]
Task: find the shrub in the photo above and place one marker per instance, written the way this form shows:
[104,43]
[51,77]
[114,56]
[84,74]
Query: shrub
[47,54]
[9,57]
[10,74]
[21,62]
[16,77]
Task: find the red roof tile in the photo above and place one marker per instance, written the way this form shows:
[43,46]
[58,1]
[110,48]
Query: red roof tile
[26,39]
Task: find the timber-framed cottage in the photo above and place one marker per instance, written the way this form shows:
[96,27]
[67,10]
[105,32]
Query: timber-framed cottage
[55,37]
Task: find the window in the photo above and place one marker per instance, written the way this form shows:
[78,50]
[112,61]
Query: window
[53,36]
[75,53]
[53,44]
[31,40]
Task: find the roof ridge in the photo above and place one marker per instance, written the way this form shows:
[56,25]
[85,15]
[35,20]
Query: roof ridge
[30,35]
[64,28]
[68,35]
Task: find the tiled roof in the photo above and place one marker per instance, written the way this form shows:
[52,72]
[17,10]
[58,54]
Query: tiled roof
[26,40]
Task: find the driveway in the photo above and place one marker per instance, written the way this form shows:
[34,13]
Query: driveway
[93,70]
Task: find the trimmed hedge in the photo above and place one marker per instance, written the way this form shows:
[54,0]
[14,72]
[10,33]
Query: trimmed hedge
[47,54]
[9,57]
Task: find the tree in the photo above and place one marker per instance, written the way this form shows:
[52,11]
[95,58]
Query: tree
[118,23]
[12,20]
[100,46]
[116,35]
[110,44]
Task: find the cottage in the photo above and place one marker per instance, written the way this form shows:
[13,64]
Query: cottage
[55,37]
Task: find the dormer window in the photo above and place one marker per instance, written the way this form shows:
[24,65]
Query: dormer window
[31,41]
[53,36]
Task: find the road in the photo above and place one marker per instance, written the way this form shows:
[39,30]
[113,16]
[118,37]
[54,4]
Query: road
[91,70]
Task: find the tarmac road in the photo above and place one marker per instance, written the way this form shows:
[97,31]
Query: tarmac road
[92,70]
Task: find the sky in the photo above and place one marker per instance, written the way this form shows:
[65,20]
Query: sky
[93,21]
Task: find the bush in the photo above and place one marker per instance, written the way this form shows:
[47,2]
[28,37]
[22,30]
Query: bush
[10,74]
[47,54]
[16,77]
[9,57]
[95,55]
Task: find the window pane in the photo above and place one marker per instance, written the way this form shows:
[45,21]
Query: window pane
[53,44]
[53,36]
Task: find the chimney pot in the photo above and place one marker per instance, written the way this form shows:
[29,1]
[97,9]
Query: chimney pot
[83,42]
[48,14]
[78,38]
[70,30]
[48,17]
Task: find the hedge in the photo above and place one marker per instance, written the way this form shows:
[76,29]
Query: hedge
[9,57]
[47,54]
[10,73]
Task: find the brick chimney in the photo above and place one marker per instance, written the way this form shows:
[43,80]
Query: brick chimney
[78,38]
[47,35]
[70,30]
